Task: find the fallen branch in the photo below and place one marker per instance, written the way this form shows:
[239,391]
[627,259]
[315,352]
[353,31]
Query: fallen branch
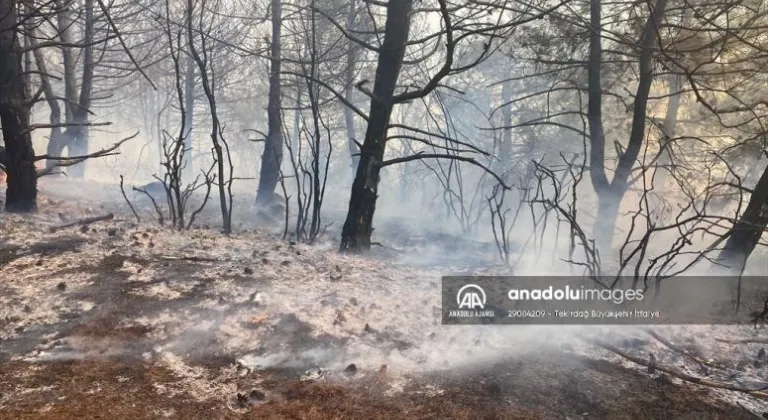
[744,341]
[682,351]
[379,244]
[83,222]
[759,393]
[189,258]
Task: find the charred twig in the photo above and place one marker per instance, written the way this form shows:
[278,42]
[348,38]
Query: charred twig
[159,212]
[381,245]
[83,222]
[133,210]
[578,236]
[207,181]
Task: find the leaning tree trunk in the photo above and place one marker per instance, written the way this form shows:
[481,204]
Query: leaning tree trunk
[273,146]
[21,194]
[746,232]
[356,233]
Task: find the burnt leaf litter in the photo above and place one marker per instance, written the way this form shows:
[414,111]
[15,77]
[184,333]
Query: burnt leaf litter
[142,322]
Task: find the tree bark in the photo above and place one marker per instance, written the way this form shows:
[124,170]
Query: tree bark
[273,146]
[21,195]
[356,233]
[610,194]
[745,234]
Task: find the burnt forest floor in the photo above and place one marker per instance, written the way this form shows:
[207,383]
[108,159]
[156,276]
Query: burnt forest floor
[118,320]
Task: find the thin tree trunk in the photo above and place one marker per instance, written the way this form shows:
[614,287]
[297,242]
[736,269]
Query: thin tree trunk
[188,169]
[65,20]
[664,162]
[349,79]
[610,194]
[21,194]
[669,127]
[273,146]
[77,135]
[55,142]
[208,85]
[356,233]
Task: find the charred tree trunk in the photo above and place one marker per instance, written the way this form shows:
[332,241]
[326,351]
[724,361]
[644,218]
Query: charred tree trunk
[21,195]
[745,234]
[224,177]
[273,146]
[611,193]
[356,233]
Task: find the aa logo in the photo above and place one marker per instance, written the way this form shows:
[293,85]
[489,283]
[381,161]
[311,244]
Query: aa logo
[471,296]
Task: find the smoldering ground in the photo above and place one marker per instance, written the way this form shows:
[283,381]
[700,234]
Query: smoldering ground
[225,313]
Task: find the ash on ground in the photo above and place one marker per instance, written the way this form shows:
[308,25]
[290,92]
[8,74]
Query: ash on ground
[234,324]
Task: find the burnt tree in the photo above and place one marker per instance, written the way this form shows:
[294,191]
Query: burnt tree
[356,233]
[745,234]
[21,194]
[273,145]
[55,142]
[76,134]
[65,22]
[610,193]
